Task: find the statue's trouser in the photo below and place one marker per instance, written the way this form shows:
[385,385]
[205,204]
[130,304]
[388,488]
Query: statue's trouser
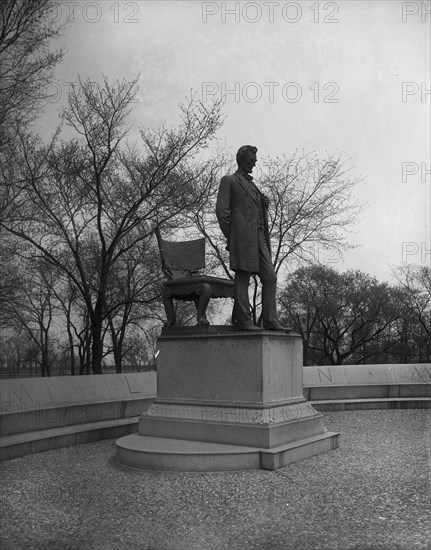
[268,278]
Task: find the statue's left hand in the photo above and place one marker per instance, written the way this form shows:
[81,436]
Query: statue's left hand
[265,200]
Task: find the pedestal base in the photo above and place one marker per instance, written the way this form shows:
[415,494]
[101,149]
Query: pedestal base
[157,453]
[227,400]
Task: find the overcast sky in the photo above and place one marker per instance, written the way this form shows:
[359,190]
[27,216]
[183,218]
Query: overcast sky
[349,77]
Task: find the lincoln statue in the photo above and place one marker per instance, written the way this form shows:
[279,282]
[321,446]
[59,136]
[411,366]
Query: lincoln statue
[242,212]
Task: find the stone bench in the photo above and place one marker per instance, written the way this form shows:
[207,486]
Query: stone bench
[38,414]
[348,387]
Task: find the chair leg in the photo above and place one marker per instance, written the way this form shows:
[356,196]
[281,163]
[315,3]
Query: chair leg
[203,290]
[169,308]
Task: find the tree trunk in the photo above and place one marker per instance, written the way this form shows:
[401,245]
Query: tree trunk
[71,347]
[118,361]
[305,352]
[45,353]
[97,345]
[117,342]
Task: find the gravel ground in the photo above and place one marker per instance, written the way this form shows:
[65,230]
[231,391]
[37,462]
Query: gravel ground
[371,493]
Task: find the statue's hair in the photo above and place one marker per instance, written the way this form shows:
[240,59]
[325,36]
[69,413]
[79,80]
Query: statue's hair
[244,151]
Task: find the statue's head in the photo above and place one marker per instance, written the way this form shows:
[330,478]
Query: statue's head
[246,158]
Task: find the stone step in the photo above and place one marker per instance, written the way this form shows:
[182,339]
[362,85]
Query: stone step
[158,453]
[16,445]
[272,459]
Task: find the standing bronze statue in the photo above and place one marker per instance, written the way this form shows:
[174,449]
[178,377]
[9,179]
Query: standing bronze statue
[242,212]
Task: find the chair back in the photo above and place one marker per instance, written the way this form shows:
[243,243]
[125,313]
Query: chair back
[181,258]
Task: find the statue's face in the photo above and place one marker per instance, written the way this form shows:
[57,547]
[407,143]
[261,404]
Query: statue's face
[249,162]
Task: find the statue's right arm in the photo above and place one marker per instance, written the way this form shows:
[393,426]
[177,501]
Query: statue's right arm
[223,206]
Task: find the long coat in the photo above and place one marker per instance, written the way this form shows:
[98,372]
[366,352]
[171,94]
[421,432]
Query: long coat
[237,210]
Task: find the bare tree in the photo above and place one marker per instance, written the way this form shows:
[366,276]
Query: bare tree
[339,314]
[416,282]
[34,309]
[311,205]
[9,284]
[85,203]
[75,319]
[133,298]
[26,64]
[26,70]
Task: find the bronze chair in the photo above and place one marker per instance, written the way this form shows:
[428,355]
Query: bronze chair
[182,264]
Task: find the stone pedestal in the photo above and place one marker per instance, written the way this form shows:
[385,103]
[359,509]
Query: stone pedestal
[227,400]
